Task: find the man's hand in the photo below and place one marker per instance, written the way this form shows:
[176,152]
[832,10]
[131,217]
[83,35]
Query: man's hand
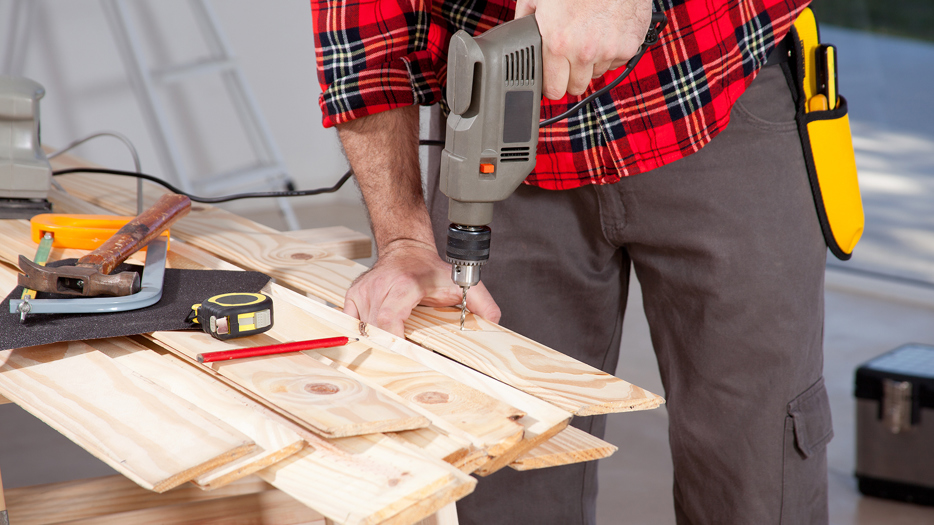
[583,39]
[383,150]
[407,274]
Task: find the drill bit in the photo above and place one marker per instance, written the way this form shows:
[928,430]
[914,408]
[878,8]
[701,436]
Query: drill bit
[464,308]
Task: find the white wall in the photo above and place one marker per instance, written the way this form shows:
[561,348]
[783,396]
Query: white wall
[71,51]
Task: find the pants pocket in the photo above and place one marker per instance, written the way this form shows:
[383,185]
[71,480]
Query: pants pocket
[808,429]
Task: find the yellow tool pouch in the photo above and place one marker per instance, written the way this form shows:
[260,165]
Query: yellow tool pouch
[825,138]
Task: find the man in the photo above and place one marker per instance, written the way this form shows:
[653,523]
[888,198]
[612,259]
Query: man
[718,222]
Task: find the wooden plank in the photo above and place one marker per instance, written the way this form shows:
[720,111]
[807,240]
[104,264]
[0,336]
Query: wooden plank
[4,400]
[269,508]
[505,355]
[390,493]
[275,442]
[355,460]
[453,406]
[281,381]
[529,366]
[571,445]
[542,419]
[330,402]
[445,516]
[89,498]
[336,240]
[144,432]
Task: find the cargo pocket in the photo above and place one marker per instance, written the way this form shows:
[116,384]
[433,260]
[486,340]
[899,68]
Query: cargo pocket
[808,429]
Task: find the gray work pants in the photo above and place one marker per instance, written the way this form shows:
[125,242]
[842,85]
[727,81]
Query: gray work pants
[727,248]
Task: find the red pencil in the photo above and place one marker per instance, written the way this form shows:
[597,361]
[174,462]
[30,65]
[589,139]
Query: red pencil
[283,348]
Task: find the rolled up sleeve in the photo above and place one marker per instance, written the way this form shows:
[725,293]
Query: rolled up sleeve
[374,56]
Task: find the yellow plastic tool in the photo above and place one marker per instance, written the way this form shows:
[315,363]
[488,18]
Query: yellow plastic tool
[83,232]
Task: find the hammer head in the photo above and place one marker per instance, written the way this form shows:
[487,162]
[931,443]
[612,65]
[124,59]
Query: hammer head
[76,280]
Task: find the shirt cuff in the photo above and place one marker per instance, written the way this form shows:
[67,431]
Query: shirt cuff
[404,81]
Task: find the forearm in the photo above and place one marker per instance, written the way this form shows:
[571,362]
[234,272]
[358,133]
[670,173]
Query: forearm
[383,151]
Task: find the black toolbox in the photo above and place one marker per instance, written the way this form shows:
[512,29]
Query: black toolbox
[895,425]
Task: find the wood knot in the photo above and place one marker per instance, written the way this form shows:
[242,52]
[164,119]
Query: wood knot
[322,389]
[302,256]
[432,398]
[198,208]
[393,482]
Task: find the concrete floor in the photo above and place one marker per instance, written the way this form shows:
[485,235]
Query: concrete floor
[865,317]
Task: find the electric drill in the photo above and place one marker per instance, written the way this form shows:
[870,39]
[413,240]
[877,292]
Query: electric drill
[494,92]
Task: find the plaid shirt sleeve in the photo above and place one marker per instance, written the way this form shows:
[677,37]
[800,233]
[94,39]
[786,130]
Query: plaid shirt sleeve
[376,55]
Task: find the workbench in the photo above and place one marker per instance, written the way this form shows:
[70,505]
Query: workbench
[383,430]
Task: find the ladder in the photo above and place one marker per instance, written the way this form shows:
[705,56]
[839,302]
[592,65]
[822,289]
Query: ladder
[268,169]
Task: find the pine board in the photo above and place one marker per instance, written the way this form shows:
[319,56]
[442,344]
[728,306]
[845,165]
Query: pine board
[144,432]
[336,240]
[527,365]
[274,442]
[542,419]
[111,496]
[268,508]
[330,402]
[491,349]
[571,445]
[398,488]
[456,408]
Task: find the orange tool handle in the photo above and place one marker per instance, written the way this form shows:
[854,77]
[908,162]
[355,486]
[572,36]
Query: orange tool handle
[137,233]
[82,232]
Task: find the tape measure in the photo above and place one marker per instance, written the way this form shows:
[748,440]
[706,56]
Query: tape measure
[231,315]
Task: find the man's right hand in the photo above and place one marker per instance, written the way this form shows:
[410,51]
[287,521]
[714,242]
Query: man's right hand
[383,150]
[407,274]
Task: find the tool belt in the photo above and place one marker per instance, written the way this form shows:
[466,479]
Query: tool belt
[825,133]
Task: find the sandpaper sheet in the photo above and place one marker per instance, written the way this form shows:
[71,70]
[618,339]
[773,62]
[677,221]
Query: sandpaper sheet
[181,289]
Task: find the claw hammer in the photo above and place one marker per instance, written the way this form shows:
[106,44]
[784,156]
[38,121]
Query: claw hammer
[91,276]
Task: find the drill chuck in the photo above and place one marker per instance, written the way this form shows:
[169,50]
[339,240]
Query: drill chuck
[468,248]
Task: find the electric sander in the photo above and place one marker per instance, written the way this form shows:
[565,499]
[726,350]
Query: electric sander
[494,92]
[25,174]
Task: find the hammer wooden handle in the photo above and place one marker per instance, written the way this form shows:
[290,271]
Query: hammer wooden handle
[137,233]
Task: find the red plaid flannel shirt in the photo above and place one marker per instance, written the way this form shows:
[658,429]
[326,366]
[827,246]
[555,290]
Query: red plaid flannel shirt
[375,55]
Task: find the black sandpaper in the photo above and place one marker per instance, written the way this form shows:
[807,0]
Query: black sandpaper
[180,290]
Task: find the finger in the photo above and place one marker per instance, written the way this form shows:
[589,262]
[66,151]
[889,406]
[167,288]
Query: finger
[579,78]
[480,302]
[524,8]
[600,69]
[350,308]
[396,307]
[557,71]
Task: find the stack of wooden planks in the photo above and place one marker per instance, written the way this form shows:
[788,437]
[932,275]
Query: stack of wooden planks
[382,430]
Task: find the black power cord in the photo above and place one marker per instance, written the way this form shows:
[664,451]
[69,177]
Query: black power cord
[659,21]
[226,198]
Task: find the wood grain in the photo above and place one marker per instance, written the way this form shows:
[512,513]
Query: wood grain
[542,419]
[275,442]
[571,445]
[269,508]
[581,389]
[336,240]
[144,432]
[330,402]
[116,495]
[456,408]
[526,364]
[393,491]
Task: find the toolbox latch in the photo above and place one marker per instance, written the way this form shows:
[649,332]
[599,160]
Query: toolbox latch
[896,405]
